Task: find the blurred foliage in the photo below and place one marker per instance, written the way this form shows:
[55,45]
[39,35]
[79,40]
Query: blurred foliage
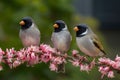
[44,13]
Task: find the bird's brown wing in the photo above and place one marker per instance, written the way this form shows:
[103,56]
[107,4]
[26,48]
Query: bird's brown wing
[97,43]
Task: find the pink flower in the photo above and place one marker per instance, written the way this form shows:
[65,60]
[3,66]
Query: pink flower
[21,54]
[84,67]
[32,56]
[58,60]
[74,52]
[111,63]
[104,70]
[10,52]
[117,58]
[116,65]
[16,63]
[46,57]
[46,48]
[75,63]
[33,49]
[34,59]
[110,74]
[104,60]
[27,57]
[53,67]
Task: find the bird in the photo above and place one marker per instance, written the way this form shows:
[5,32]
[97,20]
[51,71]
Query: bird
[29,32]
[61,39]
[87,41]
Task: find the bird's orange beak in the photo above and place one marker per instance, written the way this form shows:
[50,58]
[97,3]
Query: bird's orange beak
[22,23]
[76,29]
[55,26]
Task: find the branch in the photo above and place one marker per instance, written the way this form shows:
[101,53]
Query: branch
[44,53]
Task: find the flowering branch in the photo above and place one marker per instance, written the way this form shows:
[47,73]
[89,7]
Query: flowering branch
[44,53]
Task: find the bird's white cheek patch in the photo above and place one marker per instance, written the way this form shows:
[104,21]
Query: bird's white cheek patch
[85,32]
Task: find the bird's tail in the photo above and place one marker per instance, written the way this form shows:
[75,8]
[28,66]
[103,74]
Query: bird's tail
[110,52]
[113,51]
[61,68]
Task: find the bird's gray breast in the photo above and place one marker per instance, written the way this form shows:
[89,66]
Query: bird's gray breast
[30,36]
[61,40]
[86,45]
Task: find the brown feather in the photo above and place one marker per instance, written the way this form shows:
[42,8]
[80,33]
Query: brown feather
[97,43]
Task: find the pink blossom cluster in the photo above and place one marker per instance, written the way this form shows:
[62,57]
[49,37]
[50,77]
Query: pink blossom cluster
[51,55]
[31,55]
[82,62]
[107,66]
[44,53]
[15,58]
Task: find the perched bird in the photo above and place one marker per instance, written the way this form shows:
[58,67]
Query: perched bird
[29,33]
[61,39]
[87,41]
